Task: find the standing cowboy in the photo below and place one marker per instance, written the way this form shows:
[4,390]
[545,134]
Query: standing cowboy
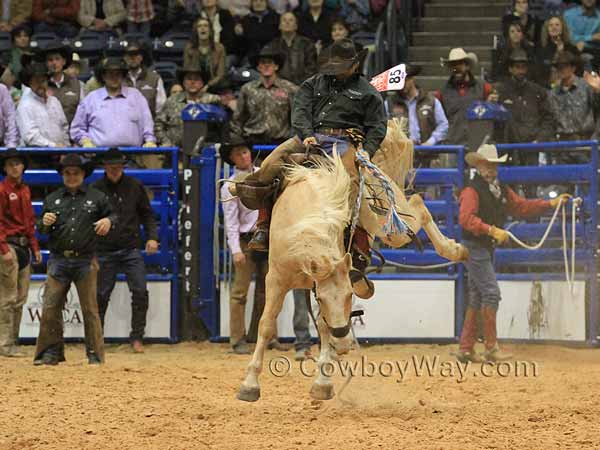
[336,106]
[484,206]
[17,238]
[118,251]
[73,216]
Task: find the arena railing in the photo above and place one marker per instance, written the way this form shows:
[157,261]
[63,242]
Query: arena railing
[164,185]
[514,264]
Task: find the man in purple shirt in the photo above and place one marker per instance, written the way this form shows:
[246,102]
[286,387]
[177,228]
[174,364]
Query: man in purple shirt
[9,134]
[114,115]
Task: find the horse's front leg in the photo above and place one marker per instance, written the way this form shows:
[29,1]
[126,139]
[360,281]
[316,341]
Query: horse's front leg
[275,294]
[322,388]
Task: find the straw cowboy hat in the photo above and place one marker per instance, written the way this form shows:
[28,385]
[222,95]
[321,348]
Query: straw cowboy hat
[487,153]
[459,54]
[339,57]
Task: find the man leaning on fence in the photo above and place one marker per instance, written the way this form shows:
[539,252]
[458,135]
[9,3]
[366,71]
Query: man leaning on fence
[73,216]
[119,251]
[17,240]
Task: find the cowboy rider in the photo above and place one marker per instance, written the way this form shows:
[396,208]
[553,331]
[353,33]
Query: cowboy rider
[336,106]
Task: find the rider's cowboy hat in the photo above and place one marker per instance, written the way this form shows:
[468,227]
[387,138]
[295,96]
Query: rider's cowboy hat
[226,148]
[74,160]
[339,57]
[268,52]
[12,153]
[459,54]
[488,153]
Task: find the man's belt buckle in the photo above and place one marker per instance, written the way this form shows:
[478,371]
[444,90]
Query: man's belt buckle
[70,254]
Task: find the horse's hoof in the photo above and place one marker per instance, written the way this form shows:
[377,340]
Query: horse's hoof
[322,391]
[248,394]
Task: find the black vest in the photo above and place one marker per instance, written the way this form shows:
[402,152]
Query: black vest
[492,210]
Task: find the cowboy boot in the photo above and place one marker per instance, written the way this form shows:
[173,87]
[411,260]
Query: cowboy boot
[361,250]
[260,239]
[466,350]
[492,350]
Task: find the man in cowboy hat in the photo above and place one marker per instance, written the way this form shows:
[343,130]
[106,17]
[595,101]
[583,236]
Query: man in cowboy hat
[119,251]
[114,115]
[68,90]
[485,205]
[40,116]
[531,118]
[574,100]
[427,123]
[263,108]
[17,240]
[138,59]
[168,124]
[461,90]
[73,217]
[336,106]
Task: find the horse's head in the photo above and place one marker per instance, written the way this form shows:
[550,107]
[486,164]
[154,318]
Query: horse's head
[334,294]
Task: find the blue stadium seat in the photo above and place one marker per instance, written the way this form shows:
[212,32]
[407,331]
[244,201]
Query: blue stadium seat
[168,72]
[41,40]
[171,48]
[90,44]
[5,42]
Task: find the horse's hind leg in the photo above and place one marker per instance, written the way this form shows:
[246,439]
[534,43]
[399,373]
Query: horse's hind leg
[322,388]
[445,247]
[275,294]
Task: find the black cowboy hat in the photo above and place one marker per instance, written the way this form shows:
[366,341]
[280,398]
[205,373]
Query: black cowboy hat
[12,153]
[518,55]
[226,148]
[183,71]
[60,48]
[413,70]
[109,63]
[139,46]
[112,156]
[565,58]
[268,51]
[339,57]
[32,69]
[75,160]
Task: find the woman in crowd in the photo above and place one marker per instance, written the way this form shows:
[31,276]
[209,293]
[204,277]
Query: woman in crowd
[520,13]
[222,24]
[202,51]
[340,30]
[21,44]
[554,38]
[513,39]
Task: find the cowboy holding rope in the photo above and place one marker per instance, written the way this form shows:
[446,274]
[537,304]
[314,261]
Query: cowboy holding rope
[485,205]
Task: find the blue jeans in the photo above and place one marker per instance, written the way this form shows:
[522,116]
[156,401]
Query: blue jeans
[67,270]
[131,263]
[301,320]
[483,286]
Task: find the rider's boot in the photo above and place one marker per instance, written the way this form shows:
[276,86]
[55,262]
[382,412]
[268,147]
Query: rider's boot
[361,250]
[260,239]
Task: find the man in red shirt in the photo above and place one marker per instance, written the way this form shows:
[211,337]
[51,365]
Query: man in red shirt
[485,205]
[17,237]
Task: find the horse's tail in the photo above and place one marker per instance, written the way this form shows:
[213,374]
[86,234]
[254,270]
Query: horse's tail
[396,154]
[316,237]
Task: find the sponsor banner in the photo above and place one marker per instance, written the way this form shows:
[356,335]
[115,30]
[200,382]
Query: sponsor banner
[118,316]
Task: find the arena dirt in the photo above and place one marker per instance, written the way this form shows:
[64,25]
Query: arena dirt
[183,397]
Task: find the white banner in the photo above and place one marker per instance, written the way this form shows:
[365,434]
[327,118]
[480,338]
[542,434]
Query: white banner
[118,316]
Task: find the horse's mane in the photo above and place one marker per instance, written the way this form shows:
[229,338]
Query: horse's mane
[316,236]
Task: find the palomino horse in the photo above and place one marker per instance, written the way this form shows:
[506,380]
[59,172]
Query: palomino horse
[306,249]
